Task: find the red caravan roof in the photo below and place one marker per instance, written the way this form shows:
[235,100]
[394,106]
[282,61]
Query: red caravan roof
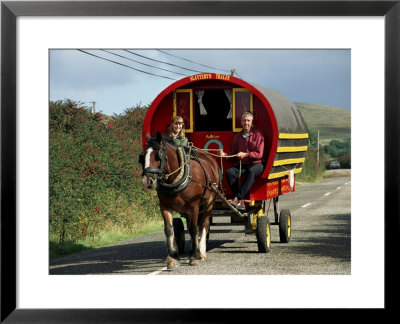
[284,117]
[205,76]
[218,77]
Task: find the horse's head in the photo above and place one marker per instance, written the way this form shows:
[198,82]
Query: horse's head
[153,161]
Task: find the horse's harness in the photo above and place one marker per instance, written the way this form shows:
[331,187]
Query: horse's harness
[157,173]
[177,186]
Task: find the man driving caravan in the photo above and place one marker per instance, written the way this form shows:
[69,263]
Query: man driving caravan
[248,146]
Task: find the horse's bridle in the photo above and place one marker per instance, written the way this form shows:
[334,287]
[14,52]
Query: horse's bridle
[157,173]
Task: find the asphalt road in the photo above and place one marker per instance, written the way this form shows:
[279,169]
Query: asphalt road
[320,243]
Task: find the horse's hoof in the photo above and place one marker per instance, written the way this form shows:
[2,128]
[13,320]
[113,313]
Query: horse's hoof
[192,262]
[172,264]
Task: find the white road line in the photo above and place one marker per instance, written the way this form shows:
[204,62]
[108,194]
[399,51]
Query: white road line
[308,204]
[328,193]
[157,272]
[339,188]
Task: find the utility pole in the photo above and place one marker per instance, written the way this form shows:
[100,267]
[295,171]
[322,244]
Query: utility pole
[318,149]
[93,106]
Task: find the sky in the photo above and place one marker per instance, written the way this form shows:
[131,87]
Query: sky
[117,79]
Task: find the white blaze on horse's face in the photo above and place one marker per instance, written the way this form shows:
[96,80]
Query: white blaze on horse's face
[147,157]
[146,181]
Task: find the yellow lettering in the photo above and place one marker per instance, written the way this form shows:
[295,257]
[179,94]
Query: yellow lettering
[201,77]
[272,192]
[211,136]
[222,77]
[206,76]
[285,188]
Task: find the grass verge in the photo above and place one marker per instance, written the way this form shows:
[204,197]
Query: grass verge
[105,238]
[111,236]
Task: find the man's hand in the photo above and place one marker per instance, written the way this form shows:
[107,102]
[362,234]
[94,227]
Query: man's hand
[241,155]
[222,153]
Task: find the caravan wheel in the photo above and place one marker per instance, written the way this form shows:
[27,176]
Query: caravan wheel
[285,224]
[263,234]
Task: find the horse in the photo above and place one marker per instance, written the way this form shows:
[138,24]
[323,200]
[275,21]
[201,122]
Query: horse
[187,185]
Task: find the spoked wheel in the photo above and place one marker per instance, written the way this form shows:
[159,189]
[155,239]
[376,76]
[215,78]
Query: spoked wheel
[263,234]
[285,223]
[179,233]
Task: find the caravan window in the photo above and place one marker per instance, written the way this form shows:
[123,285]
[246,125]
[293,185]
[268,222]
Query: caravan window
[212,110]
[242,101]
[183,106]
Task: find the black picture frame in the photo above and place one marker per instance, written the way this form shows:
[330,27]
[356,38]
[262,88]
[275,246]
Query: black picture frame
[10,10]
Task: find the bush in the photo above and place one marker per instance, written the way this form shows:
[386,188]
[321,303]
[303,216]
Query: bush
[311,171]
[337,148]
[95,180]
[345,161]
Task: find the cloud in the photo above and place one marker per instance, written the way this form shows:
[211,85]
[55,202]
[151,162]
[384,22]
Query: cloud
[311,76]
[74,69]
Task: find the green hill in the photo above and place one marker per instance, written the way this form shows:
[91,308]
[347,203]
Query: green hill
[332,122]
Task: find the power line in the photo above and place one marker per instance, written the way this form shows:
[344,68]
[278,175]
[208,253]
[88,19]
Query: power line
[161,76]
[163,62]
[152,66]
[193,61]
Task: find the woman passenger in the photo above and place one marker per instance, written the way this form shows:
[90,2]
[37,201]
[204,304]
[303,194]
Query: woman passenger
[176,131]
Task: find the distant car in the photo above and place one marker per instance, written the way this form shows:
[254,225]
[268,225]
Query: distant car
[334,165]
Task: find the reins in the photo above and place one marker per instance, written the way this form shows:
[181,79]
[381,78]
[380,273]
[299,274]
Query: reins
[187,160]
[220,156]
[166,176]
[211,185]
[207,177]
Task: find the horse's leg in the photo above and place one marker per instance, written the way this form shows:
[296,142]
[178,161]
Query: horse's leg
[172,248]
[203,229]
[194,235]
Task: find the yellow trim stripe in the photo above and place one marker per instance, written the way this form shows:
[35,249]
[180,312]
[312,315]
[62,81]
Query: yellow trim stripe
[282,174]
[282,149]
[288,161]
[292,136]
